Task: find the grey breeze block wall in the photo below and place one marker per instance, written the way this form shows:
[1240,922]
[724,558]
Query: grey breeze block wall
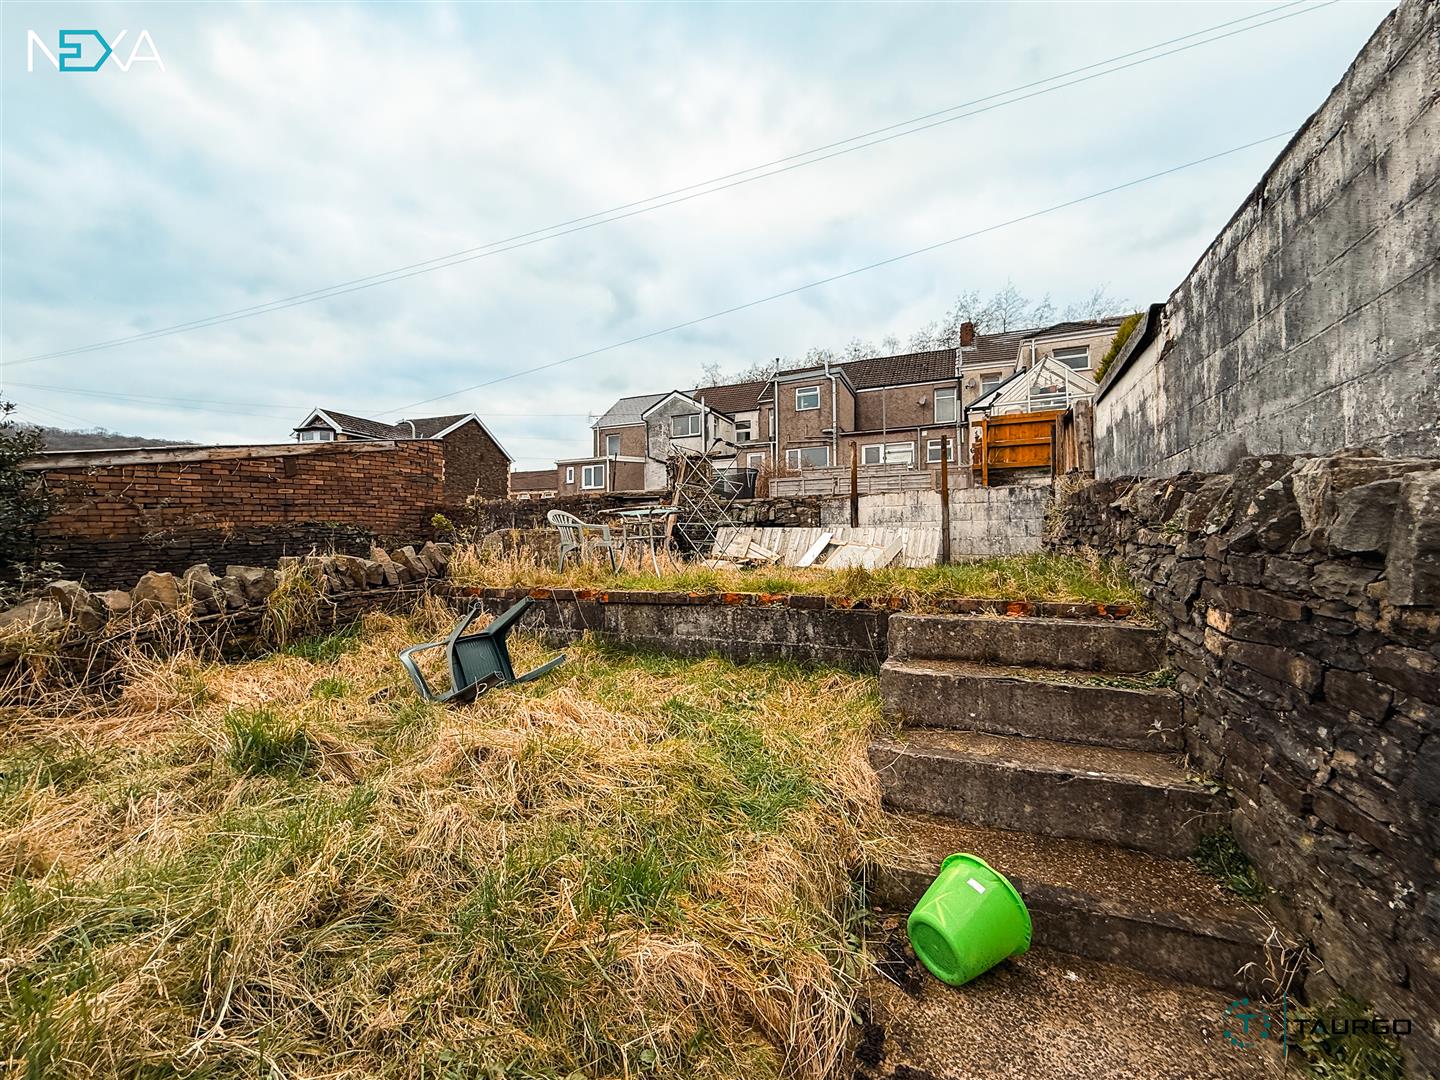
[1301,601]
[1006,520]
[1310,323]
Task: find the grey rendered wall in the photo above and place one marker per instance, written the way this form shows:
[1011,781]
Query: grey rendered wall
[983,521]
[1311,322]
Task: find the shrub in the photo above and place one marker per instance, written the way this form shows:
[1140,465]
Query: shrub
[1122,335]
[24,502]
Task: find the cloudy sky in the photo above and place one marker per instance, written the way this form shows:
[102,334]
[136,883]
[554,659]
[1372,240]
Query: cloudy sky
[286,148]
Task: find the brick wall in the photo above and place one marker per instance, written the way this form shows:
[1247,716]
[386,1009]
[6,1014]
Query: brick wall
[1301,601]
[125,512]
[474,465]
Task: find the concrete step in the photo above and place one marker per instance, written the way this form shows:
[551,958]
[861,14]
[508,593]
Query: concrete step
[1161,916]
[1128,797]
[1073,644]
[1044,703]
[1045,1014]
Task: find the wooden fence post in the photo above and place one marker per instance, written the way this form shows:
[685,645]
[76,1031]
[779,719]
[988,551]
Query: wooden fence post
[854,485]
[945,500]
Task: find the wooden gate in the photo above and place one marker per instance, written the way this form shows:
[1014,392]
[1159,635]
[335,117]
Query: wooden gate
[1015,441]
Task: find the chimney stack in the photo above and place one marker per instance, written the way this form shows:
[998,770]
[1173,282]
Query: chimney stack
[967,335]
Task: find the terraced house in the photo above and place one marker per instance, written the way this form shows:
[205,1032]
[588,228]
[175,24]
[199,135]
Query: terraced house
[888,410]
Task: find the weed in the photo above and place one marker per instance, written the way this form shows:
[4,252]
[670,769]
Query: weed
[324,648]
[1219,855]
[261,742]
[1336,1051]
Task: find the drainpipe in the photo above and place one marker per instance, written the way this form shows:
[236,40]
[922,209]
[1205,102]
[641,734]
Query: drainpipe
[413,435]
[834,418]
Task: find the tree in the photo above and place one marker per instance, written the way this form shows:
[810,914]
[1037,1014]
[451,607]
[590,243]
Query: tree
[24,502]
[710,374]
[1099,304]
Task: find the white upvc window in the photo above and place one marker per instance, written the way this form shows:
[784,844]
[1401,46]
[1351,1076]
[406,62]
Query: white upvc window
[1077,357]
[754,461]
[612,445]
[592,477]
[932,451]
[945,405]
[569,474]
[902,453]
[807,398]
[322,435]
[685,425]
[742,430]
[989,381]
[873,454]
[808,457]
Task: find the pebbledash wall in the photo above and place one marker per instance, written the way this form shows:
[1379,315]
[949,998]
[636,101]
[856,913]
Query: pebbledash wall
[1301,599]
[1309,324]
[984,522]
[127,512]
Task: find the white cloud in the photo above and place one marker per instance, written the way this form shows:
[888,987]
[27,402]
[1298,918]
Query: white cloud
[287,148]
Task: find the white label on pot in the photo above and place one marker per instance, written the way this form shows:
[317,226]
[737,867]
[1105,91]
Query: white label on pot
[976,885]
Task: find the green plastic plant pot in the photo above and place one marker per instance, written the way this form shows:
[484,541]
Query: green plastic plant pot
[969,920]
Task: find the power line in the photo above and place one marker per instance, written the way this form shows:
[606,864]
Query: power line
[181,402]
[712,186]
[846,274]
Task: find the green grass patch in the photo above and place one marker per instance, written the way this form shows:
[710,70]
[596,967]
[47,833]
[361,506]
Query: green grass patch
[259,741]
[1332,1054]
[1219,855]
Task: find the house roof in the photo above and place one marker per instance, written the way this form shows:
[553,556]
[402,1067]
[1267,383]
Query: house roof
[354,425]
[934,365]
[426,427]
[732,398]
[532,480]
[629,410]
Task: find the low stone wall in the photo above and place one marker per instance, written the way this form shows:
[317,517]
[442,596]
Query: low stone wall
[1301,601]
[68,620]
[743,626]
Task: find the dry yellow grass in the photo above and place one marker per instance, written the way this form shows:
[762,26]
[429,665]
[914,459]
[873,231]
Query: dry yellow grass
[1035,577]
[293,867]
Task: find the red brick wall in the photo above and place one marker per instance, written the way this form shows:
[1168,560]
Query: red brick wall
[136,509]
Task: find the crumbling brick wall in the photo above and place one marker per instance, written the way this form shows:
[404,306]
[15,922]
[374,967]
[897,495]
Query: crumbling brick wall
[1301,601]
[474,465]
[127,512]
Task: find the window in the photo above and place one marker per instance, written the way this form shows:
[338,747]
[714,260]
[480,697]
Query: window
[1047,396]
[808,457]
[807,397]
[685,425]
[742,430]
[902,453]
[569,474]
[754,461]
[1077,357]
[932,451]
[888,453]
[770,417]
[592,477]
[945,405]
[989,381]
[612,445]
[323,435]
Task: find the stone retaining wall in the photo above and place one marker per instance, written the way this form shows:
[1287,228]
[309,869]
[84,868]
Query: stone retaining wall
[1301,600]
[744,626]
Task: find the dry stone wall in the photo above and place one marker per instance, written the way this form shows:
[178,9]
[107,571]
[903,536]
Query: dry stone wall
[1301,600]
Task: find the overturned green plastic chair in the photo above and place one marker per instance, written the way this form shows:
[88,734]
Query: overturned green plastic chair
[479,661]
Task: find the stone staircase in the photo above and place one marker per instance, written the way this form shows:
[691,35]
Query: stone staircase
[1051,749]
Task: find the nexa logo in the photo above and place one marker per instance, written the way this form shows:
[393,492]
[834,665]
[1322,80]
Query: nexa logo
[87,50]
